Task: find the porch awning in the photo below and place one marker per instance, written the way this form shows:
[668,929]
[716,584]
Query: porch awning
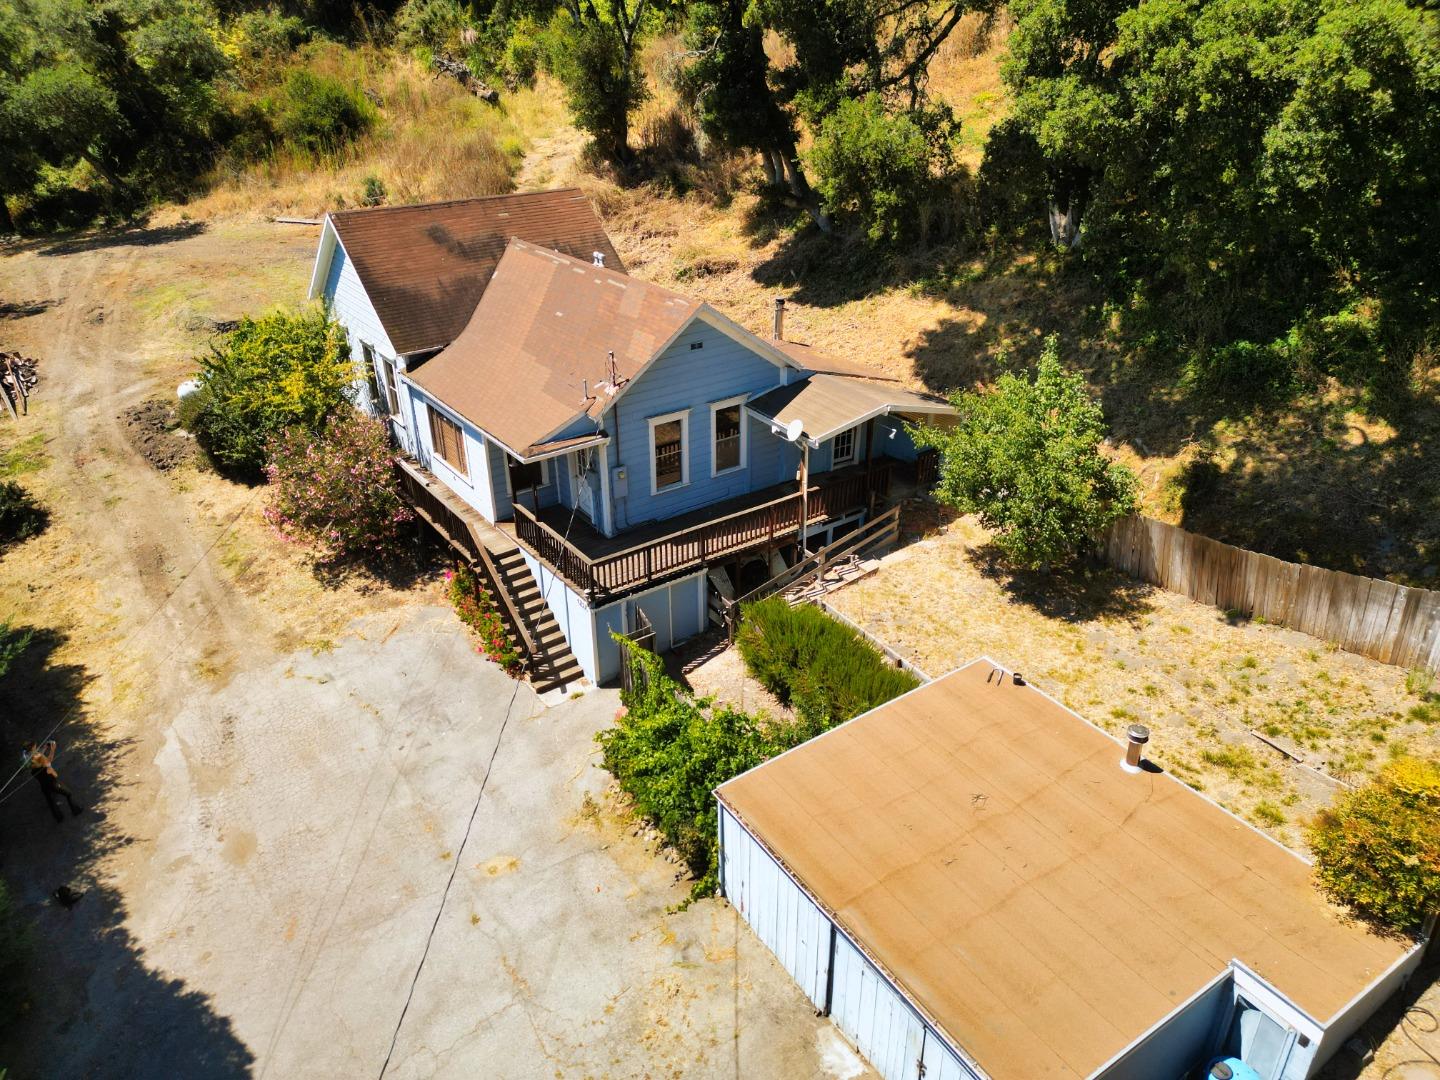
[828,404]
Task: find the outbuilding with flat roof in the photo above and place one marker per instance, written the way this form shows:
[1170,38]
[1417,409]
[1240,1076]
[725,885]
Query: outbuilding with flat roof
[970,884]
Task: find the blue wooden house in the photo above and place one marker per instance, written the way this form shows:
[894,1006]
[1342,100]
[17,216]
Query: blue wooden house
[616,455]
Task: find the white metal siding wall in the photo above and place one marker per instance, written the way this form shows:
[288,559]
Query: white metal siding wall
[870,1012]
[781,915]
[873,1016]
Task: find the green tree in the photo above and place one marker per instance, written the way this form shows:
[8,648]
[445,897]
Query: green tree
[1378,848]
[595,53]
[881,167]
[1026,459]
[1239,166]
[130,89]
[276,372]
[843,50]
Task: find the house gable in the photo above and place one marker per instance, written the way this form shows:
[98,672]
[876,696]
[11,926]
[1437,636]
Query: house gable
[337,284]
[701,366]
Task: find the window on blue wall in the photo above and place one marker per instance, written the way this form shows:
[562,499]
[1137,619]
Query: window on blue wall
[727,424]
[669,462]
[844,448]
[528,476]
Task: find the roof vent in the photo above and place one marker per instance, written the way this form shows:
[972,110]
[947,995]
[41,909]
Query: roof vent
[598,258]
[1138,735]
[777,328]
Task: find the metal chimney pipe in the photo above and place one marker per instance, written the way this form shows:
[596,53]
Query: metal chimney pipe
[598,258]
[1139,735]
[777,329]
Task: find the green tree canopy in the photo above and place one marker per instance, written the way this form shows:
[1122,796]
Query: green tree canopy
[1026,459]
[1239,164]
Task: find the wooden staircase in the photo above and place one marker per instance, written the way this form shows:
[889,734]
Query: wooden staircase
[552,664]
[499,564]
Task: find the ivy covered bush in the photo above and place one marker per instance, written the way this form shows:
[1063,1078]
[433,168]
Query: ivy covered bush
[476,607]
[337,490]
[282,370]
[816,664]
[1377,849]
[669,750]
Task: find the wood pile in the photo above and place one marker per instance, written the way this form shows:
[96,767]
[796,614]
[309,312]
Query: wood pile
[445,64]
[17,381]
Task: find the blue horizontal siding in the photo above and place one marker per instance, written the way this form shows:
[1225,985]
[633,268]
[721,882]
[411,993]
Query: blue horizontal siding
[689,379]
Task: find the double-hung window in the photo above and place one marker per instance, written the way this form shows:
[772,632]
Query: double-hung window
[844,447]
[727,432]
[448,440]
[386,400]
[669,460]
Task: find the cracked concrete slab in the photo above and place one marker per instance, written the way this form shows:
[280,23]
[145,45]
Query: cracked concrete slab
[312,811]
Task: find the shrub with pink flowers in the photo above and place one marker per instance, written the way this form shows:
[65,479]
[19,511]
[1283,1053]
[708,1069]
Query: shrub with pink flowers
[337,490]
[477,610]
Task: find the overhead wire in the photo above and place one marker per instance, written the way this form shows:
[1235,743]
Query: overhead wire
[475,809]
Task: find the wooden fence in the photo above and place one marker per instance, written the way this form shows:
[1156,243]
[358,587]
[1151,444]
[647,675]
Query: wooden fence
[1387,622]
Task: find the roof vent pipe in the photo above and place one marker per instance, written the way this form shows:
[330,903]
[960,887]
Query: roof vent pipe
[777,329]
[598,258]
[1139,735]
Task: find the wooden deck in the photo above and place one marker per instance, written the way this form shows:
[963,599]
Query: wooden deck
[600,567]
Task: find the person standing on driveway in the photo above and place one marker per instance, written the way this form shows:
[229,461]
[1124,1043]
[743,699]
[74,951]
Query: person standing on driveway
[41,761]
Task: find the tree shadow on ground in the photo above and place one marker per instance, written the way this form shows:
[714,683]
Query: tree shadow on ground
[422,560]
[125,236]
[91,1005]
[23,309]
[1082,592]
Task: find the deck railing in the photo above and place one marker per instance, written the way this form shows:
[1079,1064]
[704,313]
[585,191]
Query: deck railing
[700,545]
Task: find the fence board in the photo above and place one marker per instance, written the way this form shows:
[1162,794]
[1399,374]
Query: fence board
[1388,622]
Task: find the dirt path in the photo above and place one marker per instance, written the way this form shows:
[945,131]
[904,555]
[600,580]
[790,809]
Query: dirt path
[552,161]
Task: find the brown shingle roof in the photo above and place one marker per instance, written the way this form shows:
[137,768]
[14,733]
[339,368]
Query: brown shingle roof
[825,404]
[1044,907]
[543,328]
[425,267]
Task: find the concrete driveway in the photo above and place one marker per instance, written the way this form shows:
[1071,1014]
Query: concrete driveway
[311,812]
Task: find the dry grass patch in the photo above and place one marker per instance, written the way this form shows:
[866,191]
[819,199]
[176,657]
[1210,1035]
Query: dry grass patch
[1121,652]
[434,141]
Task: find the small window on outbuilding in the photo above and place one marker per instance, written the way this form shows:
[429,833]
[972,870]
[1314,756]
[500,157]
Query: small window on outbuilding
[448,440]
[844,448]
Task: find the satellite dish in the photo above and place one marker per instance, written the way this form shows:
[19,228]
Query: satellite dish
[794,429]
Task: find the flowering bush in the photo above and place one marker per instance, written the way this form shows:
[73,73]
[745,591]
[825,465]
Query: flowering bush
[477,610]
[337,490]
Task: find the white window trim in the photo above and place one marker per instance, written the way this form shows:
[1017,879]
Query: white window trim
[545,478]
[854,447]
[715,407]
[683,415]
[435,454]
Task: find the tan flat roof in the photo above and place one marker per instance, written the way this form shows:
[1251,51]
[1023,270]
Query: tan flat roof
[983,845]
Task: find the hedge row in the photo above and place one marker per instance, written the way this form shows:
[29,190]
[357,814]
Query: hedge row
[817,665]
